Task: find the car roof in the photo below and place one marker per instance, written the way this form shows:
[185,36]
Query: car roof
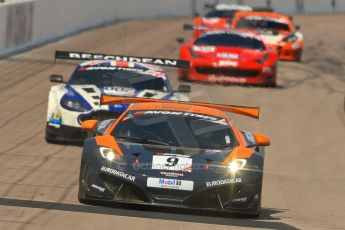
[178,107]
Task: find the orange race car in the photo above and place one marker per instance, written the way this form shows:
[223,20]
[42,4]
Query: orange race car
[276,30]
[175,154]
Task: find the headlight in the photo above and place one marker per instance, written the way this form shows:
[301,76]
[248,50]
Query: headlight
[236,165]
[290,38]
[193,53]
[73,105]
[264,58]
[111,155]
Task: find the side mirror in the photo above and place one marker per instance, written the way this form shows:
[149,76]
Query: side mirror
[89,125]
[188,27]
[180,40]
[56,78]
[184,88]
[298,27]
[261,140]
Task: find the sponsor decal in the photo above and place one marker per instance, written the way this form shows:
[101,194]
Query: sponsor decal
[228,56]
[176,113]
[111,68]
[172,174]
[223,182]
[101,189]
[89,56]
[225,63]
[172,163]
[170,184]
[118,173]
[215,78]
[119,91]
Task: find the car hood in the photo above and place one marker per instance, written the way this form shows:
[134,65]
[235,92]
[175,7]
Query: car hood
[233,53]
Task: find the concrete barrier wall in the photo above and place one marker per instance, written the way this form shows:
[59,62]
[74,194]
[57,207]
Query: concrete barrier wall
[31,22]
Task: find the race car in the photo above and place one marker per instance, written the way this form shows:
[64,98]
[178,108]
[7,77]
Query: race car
[72,102]
[220,17]
[173,154]
[230,56]
[276,30]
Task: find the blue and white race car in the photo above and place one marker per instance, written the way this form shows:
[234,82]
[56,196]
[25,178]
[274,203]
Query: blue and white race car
[72,102]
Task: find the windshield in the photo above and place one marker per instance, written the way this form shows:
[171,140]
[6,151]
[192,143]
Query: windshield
[118,78]
[262,23]
[230,39]
[220,14]
[173,128]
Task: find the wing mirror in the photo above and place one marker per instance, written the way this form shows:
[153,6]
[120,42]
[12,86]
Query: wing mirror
[56,78]
[261,140]
[89,125]
[184,89]
[298,27]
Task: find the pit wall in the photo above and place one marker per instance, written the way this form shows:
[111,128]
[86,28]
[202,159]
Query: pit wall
[27,23]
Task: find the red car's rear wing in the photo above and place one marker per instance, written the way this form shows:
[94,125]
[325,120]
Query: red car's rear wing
[84,56]
[253,112]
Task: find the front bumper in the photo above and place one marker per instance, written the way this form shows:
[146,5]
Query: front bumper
[96,185]
[229,75]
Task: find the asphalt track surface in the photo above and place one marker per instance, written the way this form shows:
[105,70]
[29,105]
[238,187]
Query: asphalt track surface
[304,184]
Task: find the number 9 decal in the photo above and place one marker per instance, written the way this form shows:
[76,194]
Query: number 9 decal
[172,162]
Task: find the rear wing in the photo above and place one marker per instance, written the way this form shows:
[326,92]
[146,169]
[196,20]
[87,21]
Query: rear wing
[85,56]
[253,112]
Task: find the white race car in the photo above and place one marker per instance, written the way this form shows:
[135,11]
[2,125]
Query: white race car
[78,99]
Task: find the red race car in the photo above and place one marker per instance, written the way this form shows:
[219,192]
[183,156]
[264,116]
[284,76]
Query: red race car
[229,57]
[276,30]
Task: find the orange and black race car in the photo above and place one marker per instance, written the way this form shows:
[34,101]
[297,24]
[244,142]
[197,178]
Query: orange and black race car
[174,154]
[277,30]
